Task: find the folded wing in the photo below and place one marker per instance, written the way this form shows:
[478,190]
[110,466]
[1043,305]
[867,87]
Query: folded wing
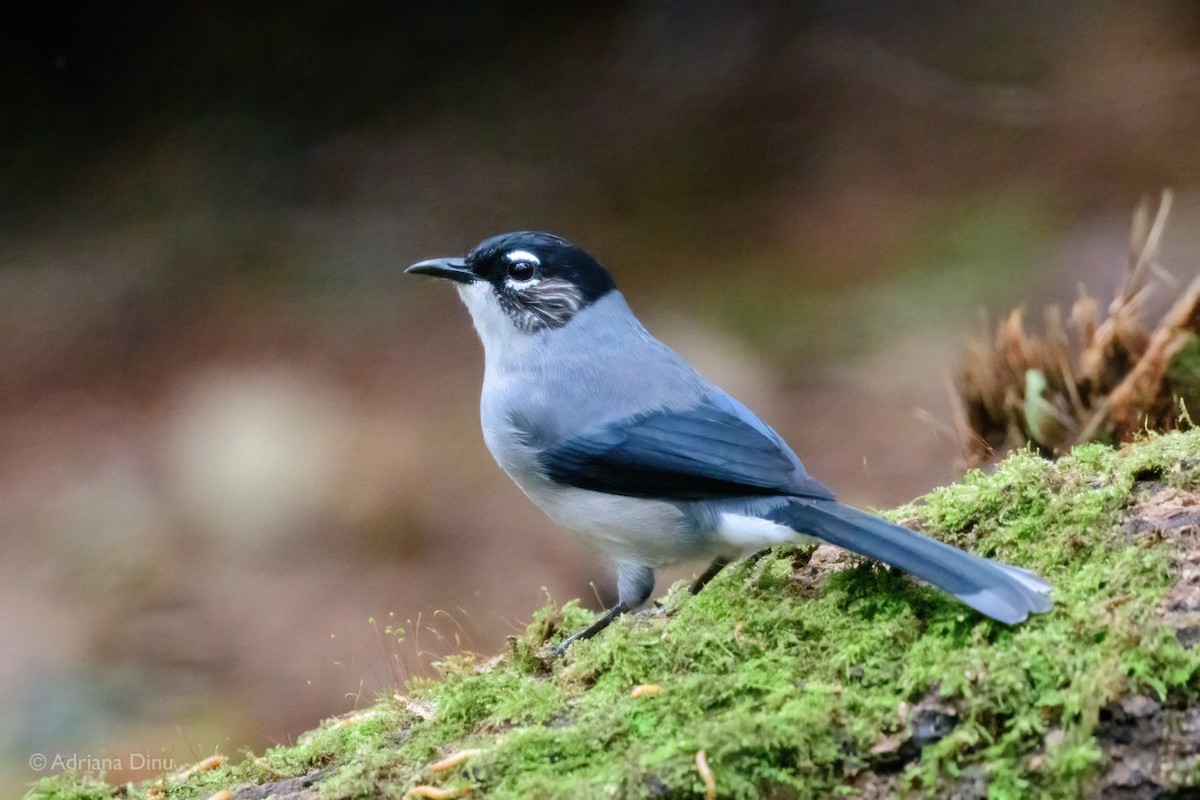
[707,451]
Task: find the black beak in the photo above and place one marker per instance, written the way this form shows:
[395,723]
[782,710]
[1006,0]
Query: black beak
[452,269]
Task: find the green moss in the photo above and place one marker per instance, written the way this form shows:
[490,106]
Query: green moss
[70,787]
[784,685]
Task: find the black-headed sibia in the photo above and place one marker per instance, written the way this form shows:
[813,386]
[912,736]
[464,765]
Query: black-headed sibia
[617,438]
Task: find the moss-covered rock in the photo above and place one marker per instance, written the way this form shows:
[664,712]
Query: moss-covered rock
[811,674]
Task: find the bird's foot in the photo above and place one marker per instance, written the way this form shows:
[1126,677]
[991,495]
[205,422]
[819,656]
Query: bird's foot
[590,631]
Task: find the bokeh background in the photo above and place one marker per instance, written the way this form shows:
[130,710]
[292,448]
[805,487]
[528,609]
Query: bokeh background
[236,446]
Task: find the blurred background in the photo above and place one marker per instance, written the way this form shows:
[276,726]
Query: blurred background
[236,445]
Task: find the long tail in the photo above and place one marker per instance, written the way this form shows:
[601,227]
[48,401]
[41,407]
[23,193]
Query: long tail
[1002,592]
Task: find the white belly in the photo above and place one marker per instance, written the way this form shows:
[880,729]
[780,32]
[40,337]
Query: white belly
[649,532]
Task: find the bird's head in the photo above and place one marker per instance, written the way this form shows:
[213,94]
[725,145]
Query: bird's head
[529,280]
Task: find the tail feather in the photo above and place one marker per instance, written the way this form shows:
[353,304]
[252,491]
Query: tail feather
[1003,592]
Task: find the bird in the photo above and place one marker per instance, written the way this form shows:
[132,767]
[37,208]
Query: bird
[617,438]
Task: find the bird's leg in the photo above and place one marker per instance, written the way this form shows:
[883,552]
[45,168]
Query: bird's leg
[591,630]
[719,563]
[635,582]
[746,567]
[756,556]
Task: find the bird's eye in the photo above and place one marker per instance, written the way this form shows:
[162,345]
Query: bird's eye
[520,270]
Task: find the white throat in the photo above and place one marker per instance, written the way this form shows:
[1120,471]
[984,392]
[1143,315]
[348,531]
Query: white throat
[503,342]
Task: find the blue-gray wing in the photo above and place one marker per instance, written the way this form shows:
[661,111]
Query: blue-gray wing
[705,452]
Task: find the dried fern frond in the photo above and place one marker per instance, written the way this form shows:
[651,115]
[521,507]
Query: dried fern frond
[1113,378]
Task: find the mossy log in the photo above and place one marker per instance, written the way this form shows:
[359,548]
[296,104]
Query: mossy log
[815,674]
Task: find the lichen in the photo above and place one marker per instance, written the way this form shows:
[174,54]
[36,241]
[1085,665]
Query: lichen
[804,681]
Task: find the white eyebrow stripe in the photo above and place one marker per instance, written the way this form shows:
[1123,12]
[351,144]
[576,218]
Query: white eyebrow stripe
[522,255]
